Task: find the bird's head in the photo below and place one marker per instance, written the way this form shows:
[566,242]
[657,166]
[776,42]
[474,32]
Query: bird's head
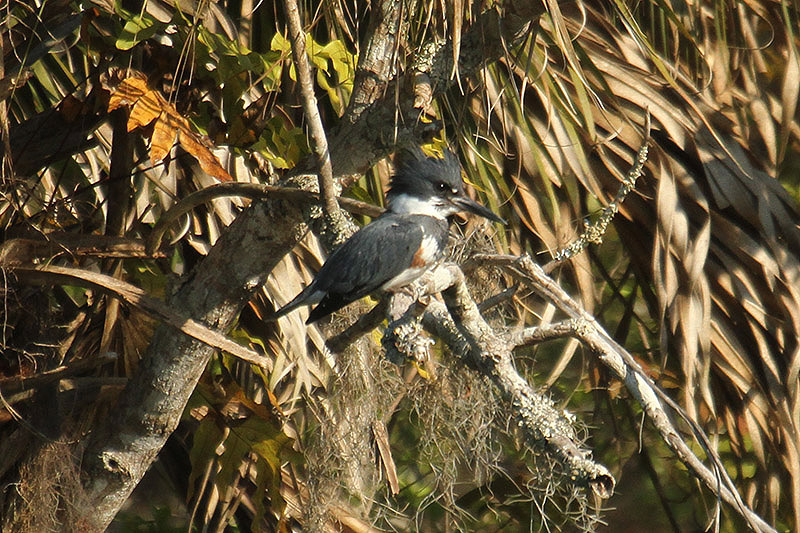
[432,186]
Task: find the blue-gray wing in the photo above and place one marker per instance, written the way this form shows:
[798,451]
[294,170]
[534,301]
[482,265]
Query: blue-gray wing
[376,254]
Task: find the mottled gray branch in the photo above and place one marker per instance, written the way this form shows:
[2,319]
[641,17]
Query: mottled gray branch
[491,36]
[319,140]
[393,120]
[121,448]
[377,59]
[627,369]
[459,323]
[593,232]
[537,334]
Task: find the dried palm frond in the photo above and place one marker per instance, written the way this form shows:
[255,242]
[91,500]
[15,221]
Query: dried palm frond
[711,238]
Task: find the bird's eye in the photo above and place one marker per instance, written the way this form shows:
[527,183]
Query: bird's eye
[442,186]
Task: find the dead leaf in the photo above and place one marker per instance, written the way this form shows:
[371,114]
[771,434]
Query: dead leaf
[71,108]
[385,453]
[145,110]
[193,144]
[164,134]
[148,106]
[127,93]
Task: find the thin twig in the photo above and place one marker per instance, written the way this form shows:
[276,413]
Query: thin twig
[254,191]
[319,141]
[593,232]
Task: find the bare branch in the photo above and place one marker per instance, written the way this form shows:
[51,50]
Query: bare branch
[120,451]
[365,323]
[31,247]
[136,297]
[487,39]
[462,327]
[537,334]
[625,367]
[498,298]
[394,119]
[319,141]
[593,232]
[255,191]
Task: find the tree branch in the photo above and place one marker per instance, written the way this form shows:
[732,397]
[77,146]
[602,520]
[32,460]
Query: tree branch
[537,334]
[255,191]
[319,141]
[136,297]
[377,59]
[122,448]
[650,397]
[374,130]
[120,451]
[365,323]
[459,323]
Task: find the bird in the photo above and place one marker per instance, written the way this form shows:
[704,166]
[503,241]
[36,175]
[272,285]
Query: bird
[400,245]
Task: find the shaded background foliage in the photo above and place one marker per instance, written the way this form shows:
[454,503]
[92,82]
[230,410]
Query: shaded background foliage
[698,277]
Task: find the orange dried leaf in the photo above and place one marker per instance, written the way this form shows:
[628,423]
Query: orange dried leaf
[164,133]
[148,105]
[146,109]
[191,142]
[128,92]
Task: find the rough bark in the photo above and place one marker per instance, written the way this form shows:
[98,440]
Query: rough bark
[121,450]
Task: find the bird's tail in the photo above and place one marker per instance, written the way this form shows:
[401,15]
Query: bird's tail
[308,296]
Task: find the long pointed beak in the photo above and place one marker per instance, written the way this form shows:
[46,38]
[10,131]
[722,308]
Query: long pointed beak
[468,204]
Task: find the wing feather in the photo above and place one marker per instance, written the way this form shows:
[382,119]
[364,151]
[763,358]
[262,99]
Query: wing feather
[373,256]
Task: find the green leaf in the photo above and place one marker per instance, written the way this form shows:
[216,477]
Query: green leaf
[269,443]
[283,147]
[76,294]
[137,29]
[342,60]
[280,43]
[205,441]
[273,70]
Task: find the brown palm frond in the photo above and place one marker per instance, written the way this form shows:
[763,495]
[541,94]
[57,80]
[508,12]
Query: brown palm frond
[710,231]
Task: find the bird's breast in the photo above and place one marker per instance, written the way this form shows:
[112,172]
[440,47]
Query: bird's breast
[428,253]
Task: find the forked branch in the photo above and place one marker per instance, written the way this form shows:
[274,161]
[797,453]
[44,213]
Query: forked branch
[653,400]
[460,325]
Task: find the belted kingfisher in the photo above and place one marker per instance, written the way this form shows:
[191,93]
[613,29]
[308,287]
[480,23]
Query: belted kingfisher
[400,245]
